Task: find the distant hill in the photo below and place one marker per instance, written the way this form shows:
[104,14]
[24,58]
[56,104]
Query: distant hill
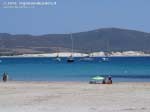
[107,39]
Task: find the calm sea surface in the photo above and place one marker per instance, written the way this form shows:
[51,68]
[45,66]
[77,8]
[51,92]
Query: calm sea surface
[49,69]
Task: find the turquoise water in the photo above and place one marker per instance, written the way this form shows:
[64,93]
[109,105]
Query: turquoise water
[49,69]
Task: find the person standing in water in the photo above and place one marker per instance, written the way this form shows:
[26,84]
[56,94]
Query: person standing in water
[5,77]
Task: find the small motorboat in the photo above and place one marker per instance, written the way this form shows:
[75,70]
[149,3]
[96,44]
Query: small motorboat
[105,59]
[58,59]
[87,59]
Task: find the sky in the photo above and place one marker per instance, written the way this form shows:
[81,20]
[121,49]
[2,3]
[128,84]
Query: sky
[76,16]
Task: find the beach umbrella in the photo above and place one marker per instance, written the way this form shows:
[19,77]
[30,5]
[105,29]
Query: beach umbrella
[97,78]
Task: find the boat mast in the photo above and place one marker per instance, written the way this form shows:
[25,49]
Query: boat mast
[72,44]
[57,52]
[107,49]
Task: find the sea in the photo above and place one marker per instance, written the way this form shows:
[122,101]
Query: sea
[121,69]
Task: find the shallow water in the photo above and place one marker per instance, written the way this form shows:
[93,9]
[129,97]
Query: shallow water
[49,69]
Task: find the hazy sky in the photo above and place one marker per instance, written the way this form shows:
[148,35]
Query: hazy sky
[75,16]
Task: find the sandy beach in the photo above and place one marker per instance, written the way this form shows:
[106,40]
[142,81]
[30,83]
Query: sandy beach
[74,97]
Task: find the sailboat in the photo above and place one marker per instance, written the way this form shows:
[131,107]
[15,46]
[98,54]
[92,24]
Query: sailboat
[88,57]
[57,57]
[106,58]
[71,59]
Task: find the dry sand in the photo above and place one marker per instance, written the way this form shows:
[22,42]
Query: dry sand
[74,97]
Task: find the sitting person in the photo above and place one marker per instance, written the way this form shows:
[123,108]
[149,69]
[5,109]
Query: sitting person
[109,80]
[104,81]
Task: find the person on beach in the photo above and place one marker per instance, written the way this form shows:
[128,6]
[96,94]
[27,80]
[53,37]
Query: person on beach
[109,80]
[5,77]
[104,81]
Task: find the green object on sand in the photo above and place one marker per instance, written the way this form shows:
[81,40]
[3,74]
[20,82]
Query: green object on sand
[97,78]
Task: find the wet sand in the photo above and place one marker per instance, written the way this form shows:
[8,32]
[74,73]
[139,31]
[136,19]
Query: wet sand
[74,97]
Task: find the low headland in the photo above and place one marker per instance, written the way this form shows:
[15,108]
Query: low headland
[112,41]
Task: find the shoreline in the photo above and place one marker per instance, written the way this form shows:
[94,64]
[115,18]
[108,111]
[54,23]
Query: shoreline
[115,80]
[82,55]
[75,82]
[74,57]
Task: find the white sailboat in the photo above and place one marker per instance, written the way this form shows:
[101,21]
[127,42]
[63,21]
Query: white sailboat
[88,58]
[106,58]
[57,57]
